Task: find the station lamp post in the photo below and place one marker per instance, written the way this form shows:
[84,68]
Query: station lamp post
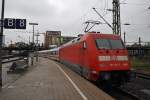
[32,58]
[33,24]
[1,40]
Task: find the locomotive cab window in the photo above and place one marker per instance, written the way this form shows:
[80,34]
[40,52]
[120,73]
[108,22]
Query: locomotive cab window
[109,44]
[117,44]
[102,44]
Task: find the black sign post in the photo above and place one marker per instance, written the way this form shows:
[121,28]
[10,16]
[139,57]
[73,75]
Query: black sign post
[1,39]
[1,23]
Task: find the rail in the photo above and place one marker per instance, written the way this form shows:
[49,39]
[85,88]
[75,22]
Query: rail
[129,94]
[142,75]
[12,60]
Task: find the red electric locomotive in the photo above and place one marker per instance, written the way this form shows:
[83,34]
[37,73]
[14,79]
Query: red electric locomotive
[99,57]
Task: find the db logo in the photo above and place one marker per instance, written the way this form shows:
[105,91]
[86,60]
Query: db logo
[114,58]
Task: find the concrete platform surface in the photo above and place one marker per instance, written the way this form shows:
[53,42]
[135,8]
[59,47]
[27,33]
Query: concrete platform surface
[50,81]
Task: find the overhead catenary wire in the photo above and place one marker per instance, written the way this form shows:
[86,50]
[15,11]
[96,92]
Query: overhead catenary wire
[135,15]
[140,13]
[123,1]
[134,3]
[82,17]
[104,11]
[103,18]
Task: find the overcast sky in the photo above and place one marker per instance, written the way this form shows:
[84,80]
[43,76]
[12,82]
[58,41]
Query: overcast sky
[68,16]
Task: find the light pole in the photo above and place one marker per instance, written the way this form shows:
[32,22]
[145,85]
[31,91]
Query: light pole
[37,35]
[1,40]
[124,40]
[33,24]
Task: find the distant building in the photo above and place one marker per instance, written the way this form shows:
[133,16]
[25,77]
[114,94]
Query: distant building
[65,39]
[52,38]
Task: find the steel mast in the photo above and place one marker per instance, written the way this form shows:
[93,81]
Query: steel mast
[116,17]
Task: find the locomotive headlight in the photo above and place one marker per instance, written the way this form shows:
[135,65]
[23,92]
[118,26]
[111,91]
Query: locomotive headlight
[122,58]
[104,58]
[105,76]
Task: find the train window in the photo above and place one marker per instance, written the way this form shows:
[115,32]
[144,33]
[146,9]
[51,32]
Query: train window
[117,44]
[109,44]
[103,44]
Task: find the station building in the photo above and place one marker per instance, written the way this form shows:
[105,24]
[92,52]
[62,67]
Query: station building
[54,39]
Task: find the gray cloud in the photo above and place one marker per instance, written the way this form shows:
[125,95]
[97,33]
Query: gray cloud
[69,15]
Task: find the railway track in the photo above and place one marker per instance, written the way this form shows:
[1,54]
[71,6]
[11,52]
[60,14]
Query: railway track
[142,75]
[128,94]
[120,94]
[12,60]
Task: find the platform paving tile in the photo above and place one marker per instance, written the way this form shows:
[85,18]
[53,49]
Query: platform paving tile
[45,82]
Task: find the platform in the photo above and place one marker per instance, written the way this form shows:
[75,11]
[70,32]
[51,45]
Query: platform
[52,81]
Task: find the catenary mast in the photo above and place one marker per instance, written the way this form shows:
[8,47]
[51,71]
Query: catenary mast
[116,17]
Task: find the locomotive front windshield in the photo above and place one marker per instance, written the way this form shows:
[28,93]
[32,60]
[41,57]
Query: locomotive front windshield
[109,44]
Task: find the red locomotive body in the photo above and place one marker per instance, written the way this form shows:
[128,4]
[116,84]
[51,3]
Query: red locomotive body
[98,57]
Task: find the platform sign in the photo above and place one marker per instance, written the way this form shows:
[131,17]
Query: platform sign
[10,23]
[2,40]
[20,23]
